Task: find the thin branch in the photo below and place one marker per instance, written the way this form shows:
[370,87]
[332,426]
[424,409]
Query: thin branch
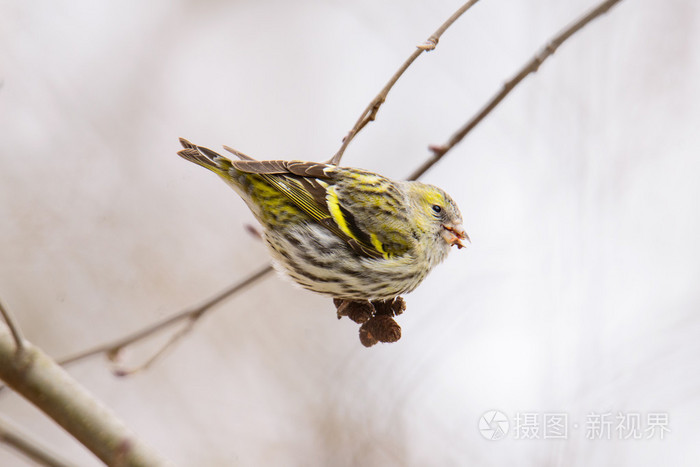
[37,378]
[530,67]
[192,314]
[123,371]
[11,436]
[14,328]
[370,112]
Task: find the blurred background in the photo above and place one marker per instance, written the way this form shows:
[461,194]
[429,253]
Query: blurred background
[579,295]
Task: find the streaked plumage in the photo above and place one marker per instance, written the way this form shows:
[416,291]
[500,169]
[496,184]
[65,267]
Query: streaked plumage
[343,232]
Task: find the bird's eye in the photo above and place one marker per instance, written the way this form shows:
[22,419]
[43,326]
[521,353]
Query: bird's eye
[437,209]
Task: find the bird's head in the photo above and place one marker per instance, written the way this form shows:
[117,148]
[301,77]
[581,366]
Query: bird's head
[437,215]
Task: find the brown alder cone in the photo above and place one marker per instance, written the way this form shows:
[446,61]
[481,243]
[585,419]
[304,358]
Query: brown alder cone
[380,328]
[378,324]
[358,311]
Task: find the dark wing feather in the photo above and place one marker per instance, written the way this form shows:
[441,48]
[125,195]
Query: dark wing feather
[308,169]
[315,189]
[261,167]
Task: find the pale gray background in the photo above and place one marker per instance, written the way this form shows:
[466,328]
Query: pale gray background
[578,295]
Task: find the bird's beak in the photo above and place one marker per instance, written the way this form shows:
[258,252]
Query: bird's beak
[454,235]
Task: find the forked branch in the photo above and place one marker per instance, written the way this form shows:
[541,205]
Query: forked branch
[191,315]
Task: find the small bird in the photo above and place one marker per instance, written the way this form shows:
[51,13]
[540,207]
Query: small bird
[338,231]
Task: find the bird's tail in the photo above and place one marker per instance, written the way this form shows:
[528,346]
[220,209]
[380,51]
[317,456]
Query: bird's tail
[205,157]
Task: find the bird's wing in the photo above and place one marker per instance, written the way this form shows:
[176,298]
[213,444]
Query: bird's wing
[311,187]
[362,208]
[376,209]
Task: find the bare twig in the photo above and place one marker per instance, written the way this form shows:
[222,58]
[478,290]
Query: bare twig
[122,371]
[371,110]
[11,436]
[191,314]
[530,67]
[42,382]
[14,328]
